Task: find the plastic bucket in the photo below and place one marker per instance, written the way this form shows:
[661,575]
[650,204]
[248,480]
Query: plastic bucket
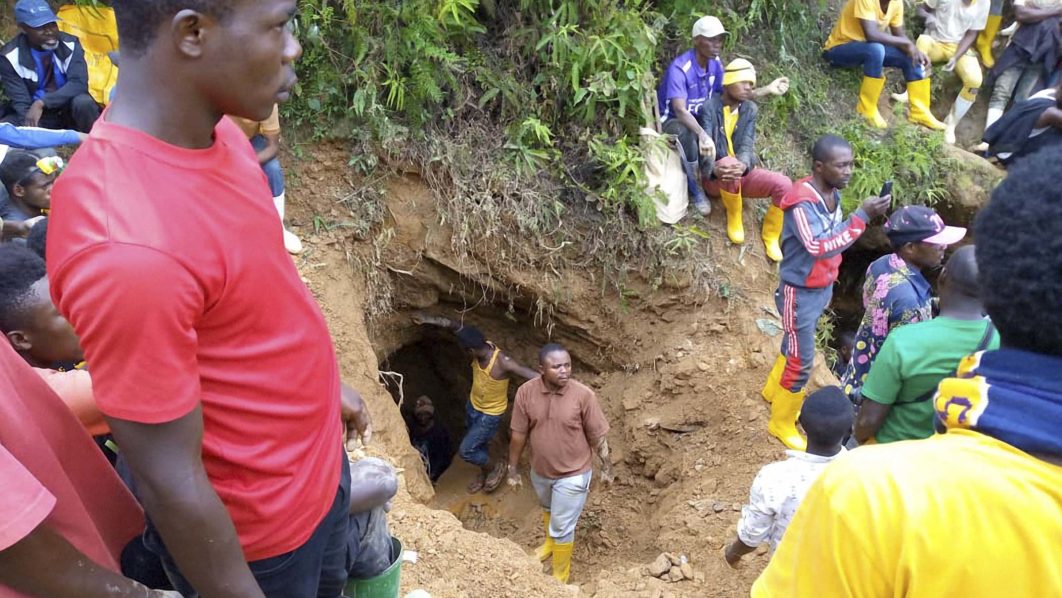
[384,585]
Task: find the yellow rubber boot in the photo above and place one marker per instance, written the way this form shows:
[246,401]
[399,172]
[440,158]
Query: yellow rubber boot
[869,92]
[785,409]
[562,561]
[772,232]
[774,379]
[735,229]
[918,110]
[986,38]
[545,551]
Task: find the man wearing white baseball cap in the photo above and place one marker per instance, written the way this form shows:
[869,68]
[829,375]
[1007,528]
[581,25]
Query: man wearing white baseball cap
[690,81]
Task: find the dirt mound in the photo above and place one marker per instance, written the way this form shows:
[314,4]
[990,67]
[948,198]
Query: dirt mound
[679,382]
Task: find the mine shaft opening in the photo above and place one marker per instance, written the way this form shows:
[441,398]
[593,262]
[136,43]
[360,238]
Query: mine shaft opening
[430,362]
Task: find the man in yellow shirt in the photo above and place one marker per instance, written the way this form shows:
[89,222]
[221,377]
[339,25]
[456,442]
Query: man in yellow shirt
[976,511]
[869,33]
[488,400]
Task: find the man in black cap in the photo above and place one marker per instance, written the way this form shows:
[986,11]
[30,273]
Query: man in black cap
[895,292]
[488,400]
[44,74]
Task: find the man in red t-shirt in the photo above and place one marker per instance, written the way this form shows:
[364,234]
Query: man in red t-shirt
[210,358]
[64,514]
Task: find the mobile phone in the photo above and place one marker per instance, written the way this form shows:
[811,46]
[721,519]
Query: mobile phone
[886,189]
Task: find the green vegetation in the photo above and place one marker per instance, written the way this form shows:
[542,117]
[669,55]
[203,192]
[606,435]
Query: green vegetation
[524,118]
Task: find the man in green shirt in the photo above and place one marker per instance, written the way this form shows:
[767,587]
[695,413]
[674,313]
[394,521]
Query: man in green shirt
[915,358]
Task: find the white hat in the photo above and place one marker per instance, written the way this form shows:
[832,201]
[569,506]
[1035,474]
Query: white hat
[708,27]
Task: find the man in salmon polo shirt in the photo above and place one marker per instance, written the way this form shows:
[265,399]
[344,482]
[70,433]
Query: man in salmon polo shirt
[210,358]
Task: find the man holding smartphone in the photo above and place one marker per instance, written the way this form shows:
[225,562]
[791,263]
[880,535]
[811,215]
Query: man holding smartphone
[814,235]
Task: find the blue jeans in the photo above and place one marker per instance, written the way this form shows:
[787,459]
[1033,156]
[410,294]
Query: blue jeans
[317,569]
[874,58]
[480,429]
[274,173]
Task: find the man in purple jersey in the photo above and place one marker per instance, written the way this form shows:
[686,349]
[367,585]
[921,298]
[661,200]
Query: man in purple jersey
[689,82]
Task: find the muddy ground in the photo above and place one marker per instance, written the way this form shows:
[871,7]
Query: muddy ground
[678,380]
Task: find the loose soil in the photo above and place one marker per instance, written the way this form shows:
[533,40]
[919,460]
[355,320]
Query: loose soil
[678,381]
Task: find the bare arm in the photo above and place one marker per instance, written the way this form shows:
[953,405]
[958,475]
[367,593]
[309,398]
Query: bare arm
[967,42]
[511,368]
[357,422]
[44,564]
[517,441]
[271,149]
[421,319]
[735,550]
[1052,117]
[894,37]
[166,460]
[1030,14]
[778,87]
[684,116]
[871,416]
[601,448]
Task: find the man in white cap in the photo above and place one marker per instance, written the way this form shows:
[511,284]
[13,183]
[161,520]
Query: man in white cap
[689,82]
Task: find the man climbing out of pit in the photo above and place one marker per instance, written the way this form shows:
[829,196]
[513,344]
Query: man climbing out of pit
[430,438]
[952,29]
[895,290]
[44,73]
[897,395]
[211,360]
[974,511]
[488,401]
[730,120]
[779,487]
[693,78]
[870,34]
[814,236]
[566,427]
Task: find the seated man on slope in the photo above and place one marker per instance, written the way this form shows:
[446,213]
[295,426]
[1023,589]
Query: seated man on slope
[730,119]
[869,34]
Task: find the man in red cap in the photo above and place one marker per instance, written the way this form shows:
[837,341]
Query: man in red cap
[895,291]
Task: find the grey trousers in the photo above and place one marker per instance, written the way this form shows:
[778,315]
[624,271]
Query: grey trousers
[564,499]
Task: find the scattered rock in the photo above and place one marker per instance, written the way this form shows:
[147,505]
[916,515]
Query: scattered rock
[736,506]
[674,558]
[702,366]
[687,570]
[660,566]
[675,574]
[631,403]
[718,507]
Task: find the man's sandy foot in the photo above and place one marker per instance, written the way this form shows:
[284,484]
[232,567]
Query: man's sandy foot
[496,477]
[477,483]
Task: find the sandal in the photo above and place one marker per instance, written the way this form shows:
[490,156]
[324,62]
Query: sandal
[497,475]
[476,484]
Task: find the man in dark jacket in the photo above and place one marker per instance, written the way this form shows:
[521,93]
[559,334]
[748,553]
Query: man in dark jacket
[44,73]
[730,120]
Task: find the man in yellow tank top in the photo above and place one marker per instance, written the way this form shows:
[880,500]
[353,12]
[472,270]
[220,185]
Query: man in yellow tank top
[491,371]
